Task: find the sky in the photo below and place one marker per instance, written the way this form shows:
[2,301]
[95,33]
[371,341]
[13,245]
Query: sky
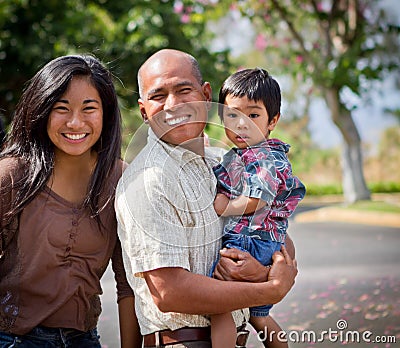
[369,116]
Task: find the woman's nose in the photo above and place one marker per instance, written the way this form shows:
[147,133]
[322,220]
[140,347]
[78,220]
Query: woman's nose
[75,120]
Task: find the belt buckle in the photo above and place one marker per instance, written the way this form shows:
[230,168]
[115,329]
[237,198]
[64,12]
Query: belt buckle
[241,338]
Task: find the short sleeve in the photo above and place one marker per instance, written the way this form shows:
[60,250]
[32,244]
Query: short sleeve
[151,224]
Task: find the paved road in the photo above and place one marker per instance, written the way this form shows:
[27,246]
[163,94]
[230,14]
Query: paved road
[349,275]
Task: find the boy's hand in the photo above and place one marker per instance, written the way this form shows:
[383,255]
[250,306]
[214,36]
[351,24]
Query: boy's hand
[220,203]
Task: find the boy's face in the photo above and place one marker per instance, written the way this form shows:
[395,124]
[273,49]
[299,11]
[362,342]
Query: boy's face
[246,121]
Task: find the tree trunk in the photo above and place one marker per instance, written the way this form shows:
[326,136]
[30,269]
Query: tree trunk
[354,186]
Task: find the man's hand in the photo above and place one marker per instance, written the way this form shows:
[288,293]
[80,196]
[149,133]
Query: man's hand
[220,203]
[283,271]
[239,265]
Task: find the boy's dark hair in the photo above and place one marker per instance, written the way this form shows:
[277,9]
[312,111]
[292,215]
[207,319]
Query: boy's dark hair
[256,84]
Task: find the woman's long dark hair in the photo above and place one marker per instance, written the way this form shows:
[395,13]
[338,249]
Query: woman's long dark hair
[28,139]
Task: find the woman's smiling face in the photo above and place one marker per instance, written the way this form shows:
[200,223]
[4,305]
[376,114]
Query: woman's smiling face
[76,120]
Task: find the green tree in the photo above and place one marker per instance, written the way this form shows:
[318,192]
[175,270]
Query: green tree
[121,33]
[338,45]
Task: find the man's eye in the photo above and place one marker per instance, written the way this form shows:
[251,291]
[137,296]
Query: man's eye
[185,90]
[156,97]
[254,115]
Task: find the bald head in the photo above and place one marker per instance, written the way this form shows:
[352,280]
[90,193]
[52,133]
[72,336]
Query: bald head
[164,56]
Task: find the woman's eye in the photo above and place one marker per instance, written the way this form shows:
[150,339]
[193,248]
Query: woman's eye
[90,108]
[60,108]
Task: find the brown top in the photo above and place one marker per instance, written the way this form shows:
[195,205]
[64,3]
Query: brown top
[51,269]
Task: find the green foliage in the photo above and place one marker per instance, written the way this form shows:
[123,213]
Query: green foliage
[334,44]
[384,187]
[374,206]
[335,189]
[323,190]
[121,33]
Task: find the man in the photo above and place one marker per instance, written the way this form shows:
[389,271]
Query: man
[169,231]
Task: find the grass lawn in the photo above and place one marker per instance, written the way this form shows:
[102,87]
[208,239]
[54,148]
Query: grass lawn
[377,206]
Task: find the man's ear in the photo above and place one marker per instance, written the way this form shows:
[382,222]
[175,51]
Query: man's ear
[143,111]
[273,122]
[206,87]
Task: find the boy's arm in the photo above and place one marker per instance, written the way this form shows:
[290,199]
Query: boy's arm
[290,247]
[238,206]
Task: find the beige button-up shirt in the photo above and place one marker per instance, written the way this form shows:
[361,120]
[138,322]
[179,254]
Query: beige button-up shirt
[166,218]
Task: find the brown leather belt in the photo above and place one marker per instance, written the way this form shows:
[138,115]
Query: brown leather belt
[185,334]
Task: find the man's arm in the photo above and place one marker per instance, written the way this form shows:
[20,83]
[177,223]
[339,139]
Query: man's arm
[177,290]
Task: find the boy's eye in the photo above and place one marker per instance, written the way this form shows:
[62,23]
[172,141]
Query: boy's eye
[254,115]
[230,115]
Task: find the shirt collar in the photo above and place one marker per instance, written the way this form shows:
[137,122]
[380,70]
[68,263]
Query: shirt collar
[175,151]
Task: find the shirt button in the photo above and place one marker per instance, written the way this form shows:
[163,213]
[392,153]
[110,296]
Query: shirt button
[68,249]
[74,223]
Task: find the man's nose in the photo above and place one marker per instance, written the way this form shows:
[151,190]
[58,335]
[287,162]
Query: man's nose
[171,101]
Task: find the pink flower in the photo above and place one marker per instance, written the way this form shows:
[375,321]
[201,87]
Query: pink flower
[185,18]
[178,7]
[299,59]
[261,42]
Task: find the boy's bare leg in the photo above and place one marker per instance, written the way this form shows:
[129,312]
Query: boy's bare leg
[268,325]
[223,331]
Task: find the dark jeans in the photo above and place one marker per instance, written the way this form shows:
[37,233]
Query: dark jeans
[189,345]
[45,337]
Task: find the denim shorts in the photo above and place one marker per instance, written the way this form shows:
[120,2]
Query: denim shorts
[261,250]
[46,337]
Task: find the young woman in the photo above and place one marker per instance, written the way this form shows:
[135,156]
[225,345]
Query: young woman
[58,171]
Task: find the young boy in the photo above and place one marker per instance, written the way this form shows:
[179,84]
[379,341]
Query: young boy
[257,192]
